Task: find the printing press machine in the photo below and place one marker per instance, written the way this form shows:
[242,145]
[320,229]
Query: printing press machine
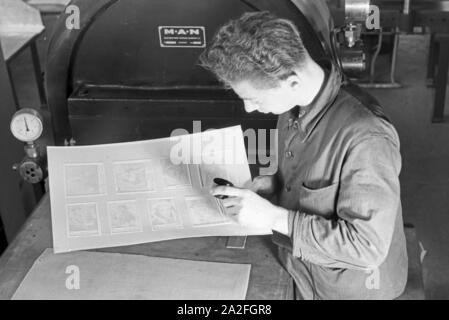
[128,73]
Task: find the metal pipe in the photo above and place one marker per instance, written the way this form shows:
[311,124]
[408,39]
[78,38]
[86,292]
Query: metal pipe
[406,7]
[376,54]
[379,85]
[394,56]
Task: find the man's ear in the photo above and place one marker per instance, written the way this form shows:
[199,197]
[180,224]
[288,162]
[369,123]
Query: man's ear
[294,81]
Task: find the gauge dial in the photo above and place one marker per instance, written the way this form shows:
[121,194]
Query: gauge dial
[27,125]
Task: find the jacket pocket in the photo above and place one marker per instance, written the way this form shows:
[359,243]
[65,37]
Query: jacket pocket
[320,201]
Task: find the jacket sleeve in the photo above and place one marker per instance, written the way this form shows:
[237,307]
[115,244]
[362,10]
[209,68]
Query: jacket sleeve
[367,203]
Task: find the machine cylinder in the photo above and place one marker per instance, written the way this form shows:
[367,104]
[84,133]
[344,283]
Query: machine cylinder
[357,10]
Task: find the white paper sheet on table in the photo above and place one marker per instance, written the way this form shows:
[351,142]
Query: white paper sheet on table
[126,276]
[128,193]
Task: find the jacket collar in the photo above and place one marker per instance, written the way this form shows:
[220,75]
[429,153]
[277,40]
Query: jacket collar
[309,116]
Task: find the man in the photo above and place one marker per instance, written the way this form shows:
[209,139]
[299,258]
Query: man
[337,182]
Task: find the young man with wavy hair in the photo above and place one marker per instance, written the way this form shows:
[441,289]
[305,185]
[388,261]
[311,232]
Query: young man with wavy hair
[337,186]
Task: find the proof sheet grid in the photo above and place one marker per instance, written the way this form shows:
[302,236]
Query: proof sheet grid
[141,179]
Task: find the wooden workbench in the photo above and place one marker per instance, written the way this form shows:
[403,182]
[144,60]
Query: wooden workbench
[268,280]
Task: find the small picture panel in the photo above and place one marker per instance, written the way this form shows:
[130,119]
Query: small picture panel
[123,217]
[82,220]
[163,214]
[132,177]
[175,175]
[84,179]
[209,172]
[204,212]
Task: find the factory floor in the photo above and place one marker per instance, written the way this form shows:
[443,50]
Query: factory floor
[425,156]
[425,151]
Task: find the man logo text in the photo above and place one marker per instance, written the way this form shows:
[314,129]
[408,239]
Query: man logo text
[182,32]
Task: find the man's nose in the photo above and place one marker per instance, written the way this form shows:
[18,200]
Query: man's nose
[250,106]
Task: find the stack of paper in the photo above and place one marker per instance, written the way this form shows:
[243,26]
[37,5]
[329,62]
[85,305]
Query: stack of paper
[96,275]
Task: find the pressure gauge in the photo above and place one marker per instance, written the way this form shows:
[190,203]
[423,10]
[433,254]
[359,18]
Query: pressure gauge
[27,125]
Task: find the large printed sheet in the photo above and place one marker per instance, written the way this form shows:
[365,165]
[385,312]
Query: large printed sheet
[129,193]
[96,275]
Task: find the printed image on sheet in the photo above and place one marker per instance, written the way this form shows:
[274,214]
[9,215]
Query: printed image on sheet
[82,220]
[132,177]
[175,175]
[123,217]
[209,172]
[205,211]
[84,179]
[163,214]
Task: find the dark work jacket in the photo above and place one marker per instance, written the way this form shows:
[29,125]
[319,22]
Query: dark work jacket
[339,164]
